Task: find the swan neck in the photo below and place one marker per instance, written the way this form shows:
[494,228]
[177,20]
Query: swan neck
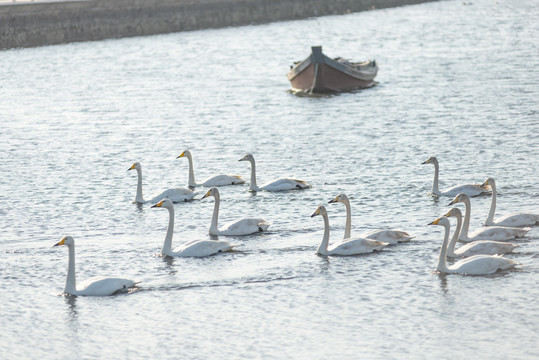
[167,245]
[490,217]
[138,197]
[435,189]
[192,182]
[252,184]
[71,282]
[453,242]
[215,216]
[466,224]
[442,261]
[323,248]
[348,225]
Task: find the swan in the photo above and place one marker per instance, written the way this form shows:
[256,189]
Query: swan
[390,236]
[194,248]
[468,189]
[473,265]
[95,286]
[276,185]
[237,227]
[175,195]
[350,246]
[218,180]
[496,233]
[483,247]
[514,219]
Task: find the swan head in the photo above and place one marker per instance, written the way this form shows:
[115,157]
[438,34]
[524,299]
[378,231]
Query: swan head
[165,203]
[66,240]
[342,198]
[247,157]
[454,212]
[135,166]
[212,192]
[442,221]
[430,160]
[185,153]
[460,198]
[321,210]
[488,183]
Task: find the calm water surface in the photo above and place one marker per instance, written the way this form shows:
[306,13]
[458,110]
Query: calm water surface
[457,80]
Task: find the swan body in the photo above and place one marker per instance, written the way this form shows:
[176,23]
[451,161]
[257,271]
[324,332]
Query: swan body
[496,233]
[390,236]
[95,286]
[175,195]
[282,184]
[345,247]
[468,189]
[512,220]
[237,227]
[478,247]
[473,265]
[218,180]
[194,248]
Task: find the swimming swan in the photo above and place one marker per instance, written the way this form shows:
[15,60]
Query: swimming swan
[175,195]
[195,248]
[282,184]
[95,286]
[473,265]
[350,246]
[236,227]
[479,247]
[390,236]
[514,219]
[468,189]
[218,180]
[496,233]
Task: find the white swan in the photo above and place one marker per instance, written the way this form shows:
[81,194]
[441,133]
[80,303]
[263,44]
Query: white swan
[282,184]
[350,246]
[468,189]
[218,180]
[95,286]
[391,236]
[236,227]
[497,233]
[175,195]
[514,219]
[194,248]
[479,247]
[473,265]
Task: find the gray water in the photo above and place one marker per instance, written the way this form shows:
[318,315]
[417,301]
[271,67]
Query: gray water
[458,80]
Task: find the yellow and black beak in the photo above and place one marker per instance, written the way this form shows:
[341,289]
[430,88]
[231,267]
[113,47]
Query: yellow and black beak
[181,155]
[206,195]
[334,200]
[159,204]
[455,200]
[132,167]
[435,222]
[61,242]
[448,214]
[317,212]
[485,184]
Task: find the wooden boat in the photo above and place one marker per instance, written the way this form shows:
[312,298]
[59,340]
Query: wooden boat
[320,74]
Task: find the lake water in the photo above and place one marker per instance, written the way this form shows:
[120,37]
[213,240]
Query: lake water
[458,80]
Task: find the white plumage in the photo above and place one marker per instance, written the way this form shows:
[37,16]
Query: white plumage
[217,180]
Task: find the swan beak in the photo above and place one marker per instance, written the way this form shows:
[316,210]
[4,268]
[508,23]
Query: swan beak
[205,195]
[448,214]
[181,155]
[435,222]
[333,200]
[317,212]
[485,184]
[61,242]
[159,204]
[132,167]
[454,201]
[425,162]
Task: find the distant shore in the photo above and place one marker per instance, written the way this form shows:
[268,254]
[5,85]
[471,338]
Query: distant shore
[26,23]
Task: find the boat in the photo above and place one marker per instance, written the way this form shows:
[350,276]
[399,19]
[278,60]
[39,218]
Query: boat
[321,74]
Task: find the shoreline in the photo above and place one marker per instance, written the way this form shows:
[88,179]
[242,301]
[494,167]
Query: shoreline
[40,23]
